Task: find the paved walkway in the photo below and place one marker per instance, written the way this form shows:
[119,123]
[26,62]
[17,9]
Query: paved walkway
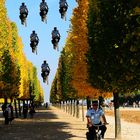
[54,124]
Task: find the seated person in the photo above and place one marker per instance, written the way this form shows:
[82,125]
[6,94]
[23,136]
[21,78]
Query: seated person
[63,3]
[55,34]
[94,116]
[45,68]
[43,7]
[23,10]
[34,38]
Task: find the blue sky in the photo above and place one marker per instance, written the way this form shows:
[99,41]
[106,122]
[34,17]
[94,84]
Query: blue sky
[44,48]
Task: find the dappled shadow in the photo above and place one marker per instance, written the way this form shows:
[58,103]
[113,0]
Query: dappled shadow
[45,126]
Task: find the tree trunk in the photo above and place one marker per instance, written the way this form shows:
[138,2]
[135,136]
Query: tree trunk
[88,102]
[117,116]
[66,106]
[5,100]
[11,100]
[60,105]
[63,105]
[19,107]
[77,109]
[74,108]
[70,107]
[83,116]
[16,112]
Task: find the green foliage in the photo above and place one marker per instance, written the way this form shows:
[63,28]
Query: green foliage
[61,88]
[11,76]
[54,97]
[114,51]
[35,87]
[66,76]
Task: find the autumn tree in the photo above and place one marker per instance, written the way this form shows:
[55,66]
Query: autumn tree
[114,50]
[54,96]
[72,76]
[16,71]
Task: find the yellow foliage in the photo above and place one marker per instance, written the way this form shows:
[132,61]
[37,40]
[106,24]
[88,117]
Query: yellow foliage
[79,39]
[11,45]
[2,101]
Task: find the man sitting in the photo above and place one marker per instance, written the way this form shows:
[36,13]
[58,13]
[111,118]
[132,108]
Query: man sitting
[34,38]
[23,10]
[63,4]
[45,69]
[55,34]
[94,116]
[43,7]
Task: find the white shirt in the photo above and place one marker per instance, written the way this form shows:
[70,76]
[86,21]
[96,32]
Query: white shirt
[34,37]
[94,115]
[63,3]
[45,67]
[43,6]
[23,9]
[55,33]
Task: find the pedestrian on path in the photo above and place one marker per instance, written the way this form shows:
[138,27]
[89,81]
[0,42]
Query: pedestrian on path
[10,113]
[5,114]
[25,110]
[31,110]
[46,105]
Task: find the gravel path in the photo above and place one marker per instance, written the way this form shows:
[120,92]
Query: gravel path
[54,124]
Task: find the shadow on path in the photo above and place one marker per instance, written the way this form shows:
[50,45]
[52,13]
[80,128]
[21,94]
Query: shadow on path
[44,126]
